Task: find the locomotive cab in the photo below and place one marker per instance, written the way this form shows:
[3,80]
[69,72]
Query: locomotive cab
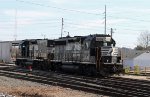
[106,55]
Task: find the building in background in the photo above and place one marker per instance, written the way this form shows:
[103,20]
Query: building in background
[142,60]
[8,51]
[133,58]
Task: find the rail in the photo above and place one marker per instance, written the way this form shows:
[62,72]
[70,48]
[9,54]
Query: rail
[111,86]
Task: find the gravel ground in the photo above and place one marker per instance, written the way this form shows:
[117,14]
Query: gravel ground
[136,77]
[22,88]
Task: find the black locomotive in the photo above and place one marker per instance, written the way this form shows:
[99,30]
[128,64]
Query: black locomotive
[90,55]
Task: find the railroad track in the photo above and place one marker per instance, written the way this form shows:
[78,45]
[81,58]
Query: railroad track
[112,86]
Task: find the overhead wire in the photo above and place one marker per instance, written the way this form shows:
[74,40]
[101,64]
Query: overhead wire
[72,10]
[130,18]
[64,9]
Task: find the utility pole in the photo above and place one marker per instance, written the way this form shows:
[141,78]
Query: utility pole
[105,21]
[15,32]
[62,27]
[15,35]
[111,32]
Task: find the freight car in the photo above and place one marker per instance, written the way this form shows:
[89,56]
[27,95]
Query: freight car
[90,55]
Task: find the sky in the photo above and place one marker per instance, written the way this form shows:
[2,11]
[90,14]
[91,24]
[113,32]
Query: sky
[38,19]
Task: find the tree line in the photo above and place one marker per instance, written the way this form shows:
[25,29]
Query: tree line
[143,41]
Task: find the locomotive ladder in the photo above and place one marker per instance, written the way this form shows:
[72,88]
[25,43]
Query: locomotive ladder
[98,59]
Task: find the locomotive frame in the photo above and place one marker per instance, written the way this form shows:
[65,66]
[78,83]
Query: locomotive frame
[90,55]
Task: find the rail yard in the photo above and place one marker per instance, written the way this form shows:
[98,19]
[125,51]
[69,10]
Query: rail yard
[74,48]
[82,63]
[108,86]
[88,64]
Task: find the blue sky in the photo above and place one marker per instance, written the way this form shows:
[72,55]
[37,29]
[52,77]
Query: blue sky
[39,18]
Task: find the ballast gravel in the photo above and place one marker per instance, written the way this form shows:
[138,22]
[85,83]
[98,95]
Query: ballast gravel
[10,87]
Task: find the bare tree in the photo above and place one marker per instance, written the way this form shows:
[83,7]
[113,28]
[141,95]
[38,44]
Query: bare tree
[144,40]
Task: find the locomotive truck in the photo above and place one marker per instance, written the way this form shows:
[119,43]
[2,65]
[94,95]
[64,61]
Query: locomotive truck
[90,55]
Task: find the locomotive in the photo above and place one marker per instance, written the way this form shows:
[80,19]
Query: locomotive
[90,55]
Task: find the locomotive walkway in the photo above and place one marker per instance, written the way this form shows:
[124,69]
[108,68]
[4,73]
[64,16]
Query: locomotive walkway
[110,86]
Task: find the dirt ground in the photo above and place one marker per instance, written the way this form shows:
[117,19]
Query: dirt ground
[40,92]
[22,88]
